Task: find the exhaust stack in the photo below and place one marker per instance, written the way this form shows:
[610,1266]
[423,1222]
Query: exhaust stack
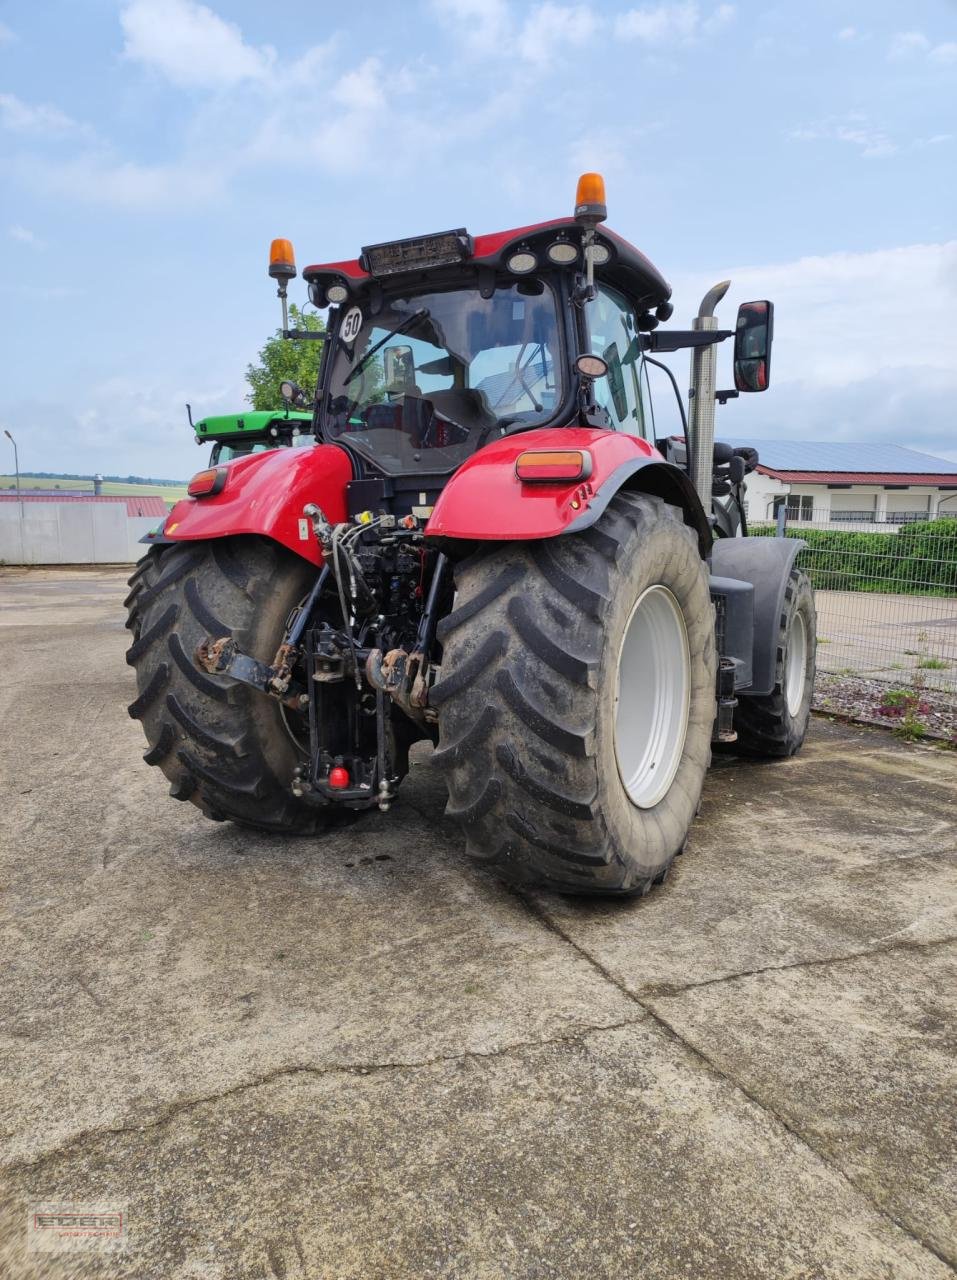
[703,385]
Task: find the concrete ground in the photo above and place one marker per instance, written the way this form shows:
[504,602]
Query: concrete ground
[357,1056]
[888,637]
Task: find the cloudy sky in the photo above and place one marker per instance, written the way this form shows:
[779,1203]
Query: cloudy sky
[150,149]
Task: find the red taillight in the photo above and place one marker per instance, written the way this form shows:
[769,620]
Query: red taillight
[551,465]
[338,777]
[205,483]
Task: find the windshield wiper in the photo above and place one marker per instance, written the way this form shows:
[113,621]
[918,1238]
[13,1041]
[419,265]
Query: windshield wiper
[401,327]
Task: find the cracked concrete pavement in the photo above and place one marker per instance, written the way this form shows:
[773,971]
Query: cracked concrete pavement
[357,1056]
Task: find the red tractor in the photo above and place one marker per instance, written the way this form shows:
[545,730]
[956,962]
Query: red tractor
[488,549]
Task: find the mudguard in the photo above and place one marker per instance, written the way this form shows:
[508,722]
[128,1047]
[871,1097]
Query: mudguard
[766,564]
[485,501]
[265,494]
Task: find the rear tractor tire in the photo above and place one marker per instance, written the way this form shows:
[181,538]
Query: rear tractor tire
[576,701]
[224,747]
[774,725]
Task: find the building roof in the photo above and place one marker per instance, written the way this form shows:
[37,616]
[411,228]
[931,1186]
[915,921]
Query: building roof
[835,463]
[943,480]
[149,505]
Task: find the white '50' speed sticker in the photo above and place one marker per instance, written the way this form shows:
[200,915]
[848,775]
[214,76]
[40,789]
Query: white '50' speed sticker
[351,324]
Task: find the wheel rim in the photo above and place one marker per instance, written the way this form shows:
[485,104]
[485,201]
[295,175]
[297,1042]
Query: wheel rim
[796,665]
[652,697]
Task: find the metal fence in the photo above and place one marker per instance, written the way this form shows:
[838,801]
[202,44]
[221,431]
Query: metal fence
[886,600]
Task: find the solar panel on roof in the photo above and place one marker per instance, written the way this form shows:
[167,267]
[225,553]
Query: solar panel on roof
[815,455]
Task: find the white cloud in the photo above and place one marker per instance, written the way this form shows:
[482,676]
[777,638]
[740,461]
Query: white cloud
[25,236]
[847,33]
[360,90]
[191,45]
[41,120]
[863,346]
[849,314]
[724,14]
[663,24]
[483,25]
[127,423]
[946,52]
[490,28]
[310,68]
[551,26]
[6,35]
[853,129]
[99,178]
[909,44]
[666,24]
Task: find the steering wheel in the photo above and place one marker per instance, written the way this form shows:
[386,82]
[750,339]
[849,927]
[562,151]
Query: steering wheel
[519,376]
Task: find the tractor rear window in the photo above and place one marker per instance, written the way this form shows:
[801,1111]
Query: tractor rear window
[431,377]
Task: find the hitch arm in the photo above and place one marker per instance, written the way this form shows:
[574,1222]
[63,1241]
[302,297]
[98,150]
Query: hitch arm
[222,657]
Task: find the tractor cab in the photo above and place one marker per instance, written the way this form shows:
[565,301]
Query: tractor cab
[236,435]
[442,344]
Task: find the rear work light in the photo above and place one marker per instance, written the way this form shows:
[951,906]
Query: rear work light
[551,466]
[206,483]
[443,249]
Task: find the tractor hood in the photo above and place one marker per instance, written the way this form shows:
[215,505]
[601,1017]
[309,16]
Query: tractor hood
[228,426]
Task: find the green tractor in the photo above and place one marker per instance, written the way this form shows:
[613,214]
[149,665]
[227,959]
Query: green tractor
[234,435]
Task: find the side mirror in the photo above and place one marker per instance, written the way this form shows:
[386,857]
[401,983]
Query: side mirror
[399,368]
[753,333]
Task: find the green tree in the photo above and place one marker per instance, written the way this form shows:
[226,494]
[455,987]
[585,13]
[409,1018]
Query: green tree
[283,359]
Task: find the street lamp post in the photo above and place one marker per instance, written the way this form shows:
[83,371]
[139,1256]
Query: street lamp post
[16,460]
[16,466]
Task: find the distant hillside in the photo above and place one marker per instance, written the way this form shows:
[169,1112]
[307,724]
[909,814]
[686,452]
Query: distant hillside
[70,475]
[169,490]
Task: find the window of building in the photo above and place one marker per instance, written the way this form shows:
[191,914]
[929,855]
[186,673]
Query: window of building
[852,508]
[902,508]
[800,506]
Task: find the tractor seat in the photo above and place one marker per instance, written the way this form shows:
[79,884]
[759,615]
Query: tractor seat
[466,405]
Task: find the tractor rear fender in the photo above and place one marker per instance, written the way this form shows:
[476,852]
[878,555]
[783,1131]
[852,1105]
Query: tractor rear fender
[485,501]
[765,563]
[265,493]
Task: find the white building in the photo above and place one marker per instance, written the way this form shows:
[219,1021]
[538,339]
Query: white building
[857,486]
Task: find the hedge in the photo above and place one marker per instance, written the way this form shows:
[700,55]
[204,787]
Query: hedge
[919,559]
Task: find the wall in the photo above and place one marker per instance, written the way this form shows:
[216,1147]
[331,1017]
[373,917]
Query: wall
[760,492]
[70,533]
[829,502]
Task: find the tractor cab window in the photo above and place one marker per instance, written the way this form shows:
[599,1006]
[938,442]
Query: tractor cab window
[238,449]
[623,393]
[431,377]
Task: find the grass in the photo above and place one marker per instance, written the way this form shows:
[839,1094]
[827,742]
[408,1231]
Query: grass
[906,706]
[933,664]
[168,492]
[910,729]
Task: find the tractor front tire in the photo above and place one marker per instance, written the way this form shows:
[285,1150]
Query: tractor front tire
[572,668]
[223,746]
[774,725]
